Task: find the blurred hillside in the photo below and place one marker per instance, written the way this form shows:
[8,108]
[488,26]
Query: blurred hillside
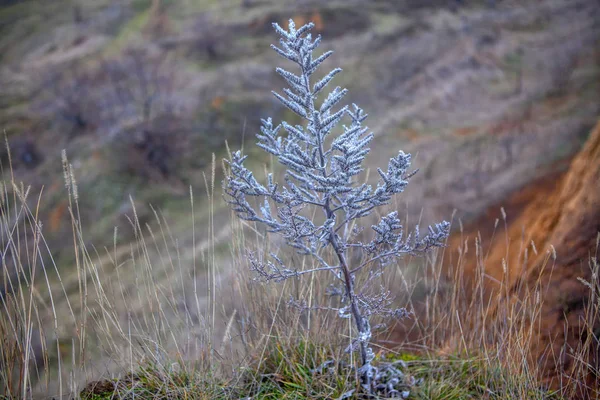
[140,93]
[489,96]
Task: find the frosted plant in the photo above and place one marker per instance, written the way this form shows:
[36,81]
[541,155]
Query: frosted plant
[322,172]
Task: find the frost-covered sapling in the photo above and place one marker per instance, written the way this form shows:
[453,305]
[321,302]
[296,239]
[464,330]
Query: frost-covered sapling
[323,172]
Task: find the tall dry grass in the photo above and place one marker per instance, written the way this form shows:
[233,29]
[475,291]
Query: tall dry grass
[113,310]
[184,304]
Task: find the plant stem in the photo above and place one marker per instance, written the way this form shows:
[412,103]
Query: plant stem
[358,318]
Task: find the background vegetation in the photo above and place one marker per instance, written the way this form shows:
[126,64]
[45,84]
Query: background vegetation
[495,100]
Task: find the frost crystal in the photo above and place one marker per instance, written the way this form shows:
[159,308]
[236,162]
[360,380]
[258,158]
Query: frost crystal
[322,171]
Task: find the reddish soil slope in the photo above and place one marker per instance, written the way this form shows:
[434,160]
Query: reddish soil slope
[559,214]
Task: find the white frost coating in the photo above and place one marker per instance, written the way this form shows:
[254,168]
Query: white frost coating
[325,176]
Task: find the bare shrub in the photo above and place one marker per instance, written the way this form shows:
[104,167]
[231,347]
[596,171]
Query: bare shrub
[324,178]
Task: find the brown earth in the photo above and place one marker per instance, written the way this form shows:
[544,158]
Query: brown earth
[558,214]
